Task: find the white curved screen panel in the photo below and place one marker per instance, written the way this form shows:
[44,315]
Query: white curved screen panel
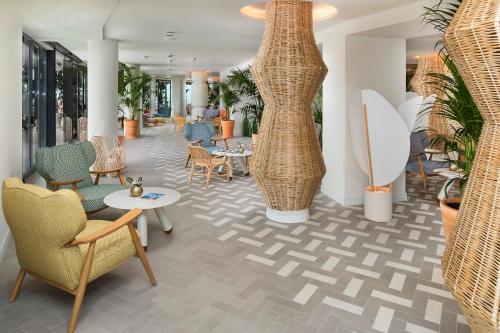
[409,110]
[422,122]
[388,134]
[411,94]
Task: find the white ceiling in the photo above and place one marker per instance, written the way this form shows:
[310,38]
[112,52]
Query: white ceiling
[213,31]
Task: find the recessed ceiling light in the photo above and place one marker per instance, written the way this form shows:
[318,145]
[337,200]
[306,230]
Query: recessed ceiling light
[170,55]
[321,11]
[171,60]
[145,57]
[194,59]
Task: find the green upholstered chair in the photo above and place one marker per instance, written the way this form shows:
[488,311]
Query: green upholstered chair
[67,166]
[57,244]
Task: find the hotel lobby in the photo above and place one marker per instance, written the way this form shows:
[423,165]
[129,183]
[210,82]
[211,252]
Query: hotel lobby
[238,166]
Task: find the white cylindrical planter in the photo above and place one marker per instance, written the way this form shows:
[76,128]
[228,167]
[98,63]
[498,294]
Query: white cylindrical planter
[199,93]
[288,217]
[378,204]
[103,88]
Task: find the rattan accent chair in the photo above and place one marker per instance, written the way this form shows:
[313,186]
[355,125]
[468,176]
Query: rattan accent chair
[179,123]
[471,262]
[201,159]
[58,245]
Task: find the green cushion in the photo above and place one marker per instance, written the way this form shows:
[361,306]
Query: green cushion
[93,196]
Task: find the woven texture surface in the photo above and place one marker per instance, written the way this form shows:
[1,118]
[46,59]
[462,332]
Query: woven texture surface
[288,164]
[471,263]
[424,85]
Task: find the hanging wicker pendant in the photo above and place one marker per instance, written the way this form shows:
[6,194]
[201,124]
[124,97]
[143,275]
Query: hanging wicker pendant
[424,85]
[471,262]
[288,164]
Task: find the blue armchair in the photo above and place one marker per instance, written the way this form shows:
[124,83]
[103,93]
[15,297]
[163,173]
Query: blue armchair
[202,134]
[418,162]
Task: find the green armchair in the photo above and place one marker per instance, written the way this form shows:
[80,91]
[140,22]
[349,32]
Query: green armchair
[58,245]
[67,167]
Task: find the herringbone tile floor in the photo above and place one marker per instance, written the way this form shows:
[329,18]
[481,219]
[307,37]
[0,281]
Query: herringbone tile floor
[226,268]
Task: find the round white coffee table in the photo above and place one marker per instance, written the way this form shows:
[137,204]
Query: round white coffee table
[234,155]
[123,200]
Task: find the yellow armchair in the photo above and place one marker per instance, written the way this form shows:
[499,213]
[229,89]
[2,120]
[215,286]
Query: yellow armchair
[55,242]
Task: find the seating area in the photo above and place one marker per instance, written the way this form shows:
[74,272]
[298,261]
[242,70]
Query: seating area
[281,166]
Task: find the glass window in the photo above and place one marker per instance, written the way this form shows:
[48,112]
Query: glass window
[164,93]
[188,96]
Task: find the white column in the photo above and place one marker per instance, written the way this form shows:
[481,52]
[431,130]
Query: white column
[176,95]
[11,34]
[199,92]
[103,88]
[154,97]
[183,95]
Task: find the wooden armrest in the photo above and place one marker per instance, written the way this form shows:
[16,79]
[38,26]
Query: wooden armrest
[112,227]
[66,182]
[101,172]
[197,142]
[417,154]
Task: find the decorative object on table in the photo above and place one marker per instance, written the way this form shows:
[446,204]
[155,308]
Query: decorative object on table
[425,85]
[57,244]
[381,146]
[288,164]
[108,159]
[67,166]
[82,129]
[201,159]
[202,134]
[123,200]
[471,261]
[241,149]
[136,190]
[131,87]
[152,196]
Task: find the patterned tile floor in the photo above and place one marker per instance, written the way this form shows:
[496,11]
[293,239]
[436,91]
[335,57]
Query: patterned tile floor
[226,268]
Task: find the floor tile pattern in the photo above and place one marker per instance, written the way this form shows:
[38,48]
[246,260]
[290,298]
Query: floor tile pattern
[226,268]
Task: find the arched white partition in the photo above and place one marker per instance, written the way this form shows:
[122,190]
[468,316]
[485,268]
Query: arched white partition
[409,111]
[388,134]
[411,94]
[423,117]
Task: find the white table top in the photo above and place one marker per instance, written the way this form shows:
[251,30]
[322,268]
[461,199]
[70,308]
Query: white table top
[232,153]
[123,200]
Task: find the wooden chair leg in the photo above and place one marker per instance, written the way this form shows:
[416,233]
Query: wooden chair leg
[97,178]
[209,175]
[187,161]
[17,286]
[227,173]
[120,177]
[80,293]
[191,173]
[422,173]
[226,144]
[142,255]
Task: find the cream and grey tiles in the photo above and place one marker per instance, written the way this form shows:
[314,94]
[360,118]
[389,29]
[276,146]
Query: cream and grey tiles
[226,268]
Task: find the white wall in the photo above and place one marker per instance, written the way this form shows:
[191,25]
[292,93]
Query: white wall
[237,116]
[352,63]
[178,101]
[10,104]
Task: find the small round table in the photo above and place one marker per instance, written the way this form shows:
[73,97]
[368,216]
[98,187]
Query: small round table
[123,200]
[234,155]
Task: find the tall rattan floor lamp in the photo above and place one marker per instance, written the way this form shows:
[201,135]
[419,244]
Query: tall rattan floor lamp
[471,262]
[288,164]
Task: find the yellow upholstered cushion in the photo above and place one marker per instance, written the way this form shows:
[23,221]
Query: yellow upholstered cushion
[110,251]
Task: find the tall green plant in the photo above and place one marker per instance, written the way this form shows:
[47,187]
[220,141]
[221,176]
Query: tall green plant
[229,97]
[130,89]
[455,101]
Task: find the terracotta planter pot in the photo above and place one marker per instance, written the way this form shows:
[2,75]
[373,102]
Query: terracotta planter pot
[131,128]
[449,210]
[255,138]
[227,127]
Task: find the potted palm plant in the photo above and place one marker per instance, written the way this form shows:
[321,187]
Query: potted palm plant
[130,90]
[457,105]
[230,98]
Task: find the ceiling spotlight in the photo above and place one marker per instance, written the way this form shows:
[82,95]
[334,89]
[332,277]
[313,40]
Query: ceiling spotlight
[145,57]
[171,60]
[170,55]
[194,59]
[170,35]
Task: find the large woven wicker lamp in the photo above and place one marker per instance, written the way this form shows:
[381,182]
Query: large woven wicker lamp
[424,85]
[288,164]
[471,262]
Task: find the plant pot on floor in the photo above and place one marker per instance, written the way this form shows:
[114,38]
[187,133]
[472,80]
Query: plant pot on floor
[378,203]
[449,209]
[227,127]
[131,128]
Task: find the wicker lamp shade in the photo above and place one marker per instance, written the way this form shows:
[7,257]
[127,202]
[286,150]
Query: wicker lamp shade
[288,164]
[471,262]
[424,85]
